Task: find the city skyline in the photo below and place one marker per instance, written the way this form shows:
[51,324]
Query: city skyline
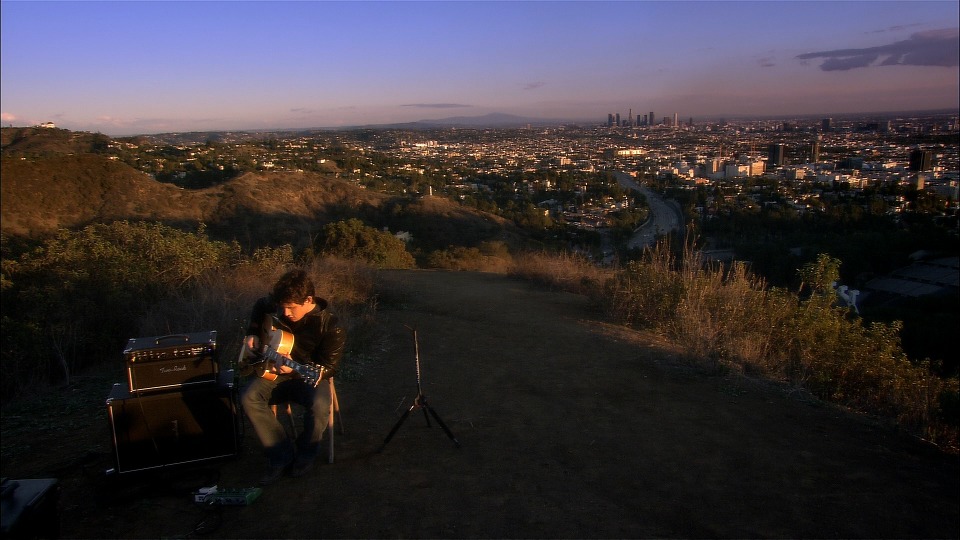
[126,68]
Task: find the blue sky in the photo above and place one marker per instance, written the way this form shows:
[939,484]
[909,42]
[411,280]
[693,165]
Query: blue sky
[126,67]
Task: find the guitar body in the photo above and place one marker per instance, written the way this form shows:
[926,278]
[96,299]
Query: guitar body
[281,341]
[277,345]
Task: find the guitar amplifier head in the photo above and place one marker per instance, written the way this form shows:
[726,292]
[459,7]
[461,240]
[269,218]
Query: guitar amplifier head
[148,349]
[172,361]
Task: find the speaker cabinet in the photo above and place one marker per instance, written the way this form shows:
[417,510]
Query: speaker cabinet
[157,430]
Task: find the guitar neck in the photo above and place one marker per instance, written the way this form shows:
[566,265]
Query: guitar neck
[310,373]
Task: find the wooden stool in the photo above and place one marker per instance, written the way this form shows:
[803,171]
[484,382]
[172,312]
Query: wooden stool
[334,406]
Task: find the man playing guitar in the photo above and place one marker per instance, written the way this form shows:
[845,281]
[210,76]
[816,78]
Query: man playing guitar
[296,372]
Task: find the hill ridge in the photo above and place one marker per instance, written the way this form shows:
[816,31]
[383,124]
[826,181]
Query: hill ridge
[55,179]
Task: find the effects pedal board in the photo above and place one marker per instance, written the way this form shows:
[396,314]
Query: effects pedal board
[227,497]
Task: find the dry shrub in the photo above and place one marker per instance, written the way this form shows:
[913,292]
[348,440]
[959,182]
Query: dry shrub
[343,282]
[220,300]
[769,325]
[492,257]
[645,293]
[467,259]
[716,312]
[564,271]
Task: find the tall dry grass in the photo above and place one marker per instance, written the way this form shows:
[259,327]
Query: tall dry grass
[565,271]
[492,257]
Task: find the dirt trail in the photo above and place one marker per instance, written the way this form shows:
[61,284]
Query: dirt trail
[569,427]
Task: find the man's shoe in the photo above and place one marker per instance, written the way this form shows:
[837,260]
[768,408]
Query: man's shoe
[301,468]
[274,472]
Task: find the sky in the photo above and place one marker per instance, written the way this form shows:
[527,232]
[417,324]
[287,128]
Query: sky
[129,67]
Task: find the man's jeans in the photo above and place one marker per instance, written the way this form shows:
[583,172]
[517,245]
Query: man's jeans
[261,393]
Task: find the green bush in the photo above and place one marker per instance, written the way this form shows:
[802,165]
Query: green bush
[77,298]
[352,239]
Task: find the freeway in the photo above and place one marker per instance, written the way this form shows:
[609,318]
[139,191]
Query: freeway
[664,215]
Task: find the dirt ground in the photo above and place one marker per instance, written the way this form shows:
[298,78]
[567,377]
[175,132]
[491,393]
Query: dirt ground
[568,428]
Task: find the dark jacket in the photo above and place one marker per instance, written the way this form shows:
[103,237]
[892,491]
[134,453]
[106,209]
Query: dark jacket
[317,338]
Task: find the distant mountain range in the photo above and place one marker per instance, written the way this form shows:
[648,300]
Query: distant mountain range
[492,120]
[503,120]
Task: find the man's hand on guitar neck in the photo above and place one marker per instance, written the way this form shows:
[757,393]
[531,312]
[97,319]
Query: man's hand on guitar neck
[283,369]
[251,346]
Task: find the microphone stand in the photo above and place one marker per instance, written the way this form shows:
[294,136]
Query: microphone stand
[419,402]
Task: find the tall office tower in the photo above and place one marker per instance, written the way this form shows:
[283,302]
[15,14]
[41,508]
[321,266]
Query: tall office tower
[676,118]
[618,119]
[630,118]
[825,124]
[713,166]
[652,117]
[815,151]
[609,119]
[638,121]
[775,155]
[645,121]
[921,160]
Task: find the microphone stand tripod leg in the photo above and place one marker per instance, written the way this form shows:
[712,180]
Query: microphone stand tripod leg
[396,427]
[419,403]
[436,417]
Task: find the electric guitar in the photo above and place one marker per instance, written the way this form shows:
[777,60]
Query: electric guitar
[276,345]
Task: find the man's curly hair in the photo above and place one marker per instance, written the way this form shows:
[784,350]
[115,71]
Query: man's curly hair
[293,287]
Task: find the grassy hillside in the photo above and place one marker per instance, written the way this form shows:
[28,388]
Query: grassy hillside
[41,195]
[55,179]
[38,142]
